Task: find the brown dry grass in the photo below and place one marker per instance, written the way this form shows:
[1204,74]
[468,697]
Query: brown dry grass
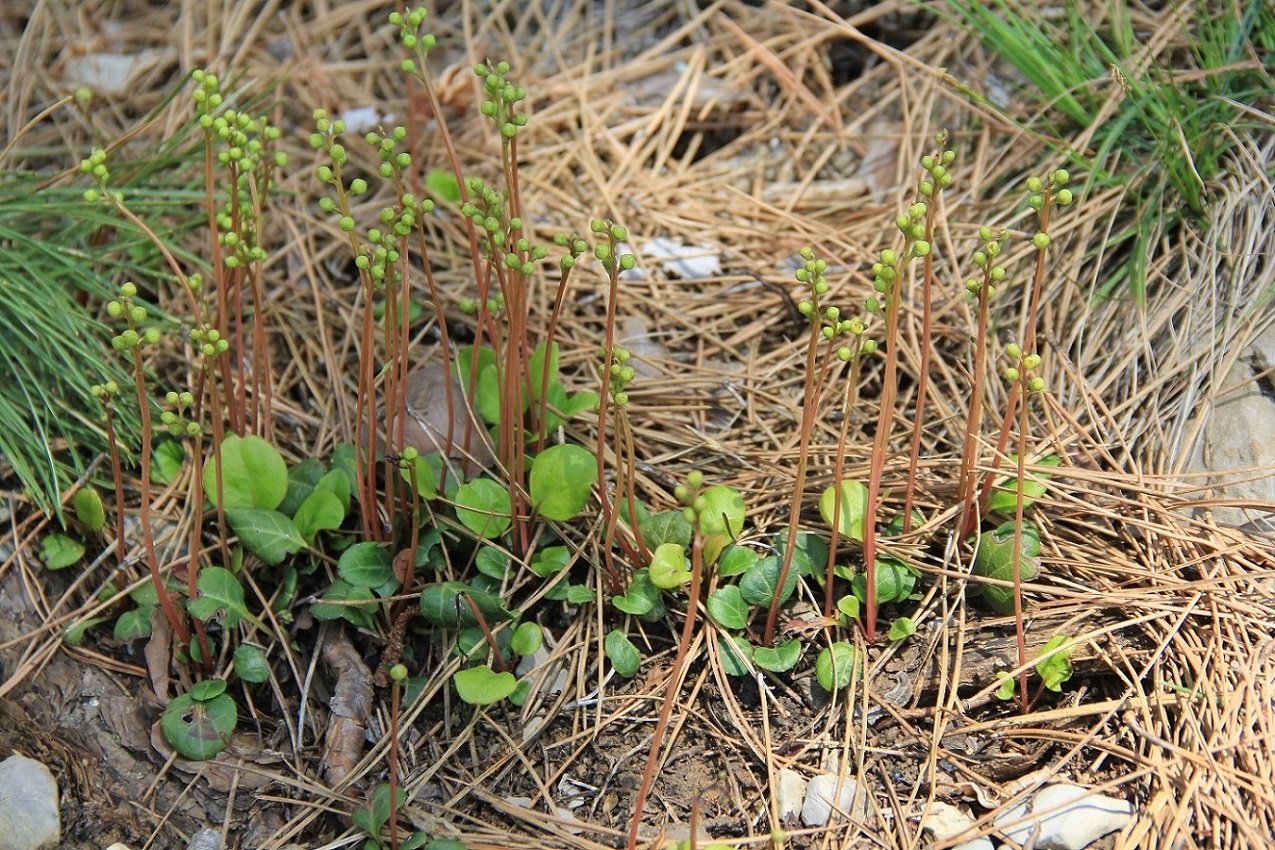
[726,126]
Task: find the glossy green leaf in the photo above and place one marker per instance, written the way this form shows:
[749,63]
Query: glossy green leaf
[895,581]
[220,595]
[780,659]
[321,511]
[665,527]
[902,628]
[199,729]
[1007,686]
[483,686]
[561,481]
[426,471]
[736,560]
[1004,495]
[483,506]
[994,558]
[444,604]
[344,601]
[269,535]
[669,568]
[302,479]
[166,462]
[527,638]
[550,560]
[87,504]
[758,584]
[253,474]
[727,607]
[736,652]
[624,656]
[366,564]
[1054,666]
[642,600]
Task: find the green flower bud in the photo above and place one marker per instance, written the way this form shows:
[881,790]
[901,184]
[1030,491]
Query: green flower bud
[1036,384]
[1060,177]
[1011,374]
[358,186]
[869,346]
[151,336]
[695,479]
[1035,184]
[1064,197]
[1041,241]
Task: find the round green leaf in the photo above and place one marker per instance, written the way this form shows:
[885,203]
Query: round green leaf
[483,686]
[133,624]
[269,535]
[253,474]
[836,665]
[444,605]
[894,579]
[199,729]
[735,560]
[994,558]
[724,513]
[561,481]
[321,511]
[758,584]
[1004,497]
[483,507]
[901,628]
[624,656]
[59,551]
[665,527]
[366,564]
[727,607]
[527,638]
[220,595]
[251,664]
[736,652]
[780,659]
[87,504]
[669,567]
[853,512]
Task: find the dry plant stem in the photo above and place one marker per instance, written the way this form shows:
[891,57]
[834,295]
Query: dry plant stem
[810,405]
[144,512]
[496,657]
[117,475]
[445,347]
[923,373]
[219,269]
[196,501]
[608,356]
[676,676]
[551,334]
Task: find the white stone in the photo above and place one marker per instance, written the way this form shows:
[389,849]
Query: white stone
[689,262]
[205,839]
[790,791]
[1064,817]
[823,798]
[947,821]
[29,817]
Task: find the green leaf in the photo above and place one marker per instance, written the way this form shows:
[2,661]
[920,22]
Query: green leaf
[427,470]
[220,595]
[59,551]
[578,403]
[536,371]
[444,605]
[758,584]
[1007,686]
[358,614]
[442,184]
[87,504]
[483,507]
[849,606]
[894,579]
[269,535]
[561,481]
[721,521]
[727,607]
[199,729]
[853,512]
[780,659]
[1004,496]
[810,557]
[550,560]
[491,562]
[251,664]
[735,560]
[166,461]
[736,653]
[253,474]
[642,600]
[133,624]
[207,689]
[1055,669]
[321,511]
[366,564]
[343,462]
[901,628]
[302,479]
[483,686]
[527,638]
[994,559]
[624,656]
[837,665]
[665,527]
[74,633]
[669,568]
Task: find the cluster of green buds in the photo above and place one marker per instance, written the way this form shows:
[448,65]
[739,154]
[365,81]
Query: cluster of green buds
[606,251]
[1046,194]
[495,305]
[1023,368]
[524,261]
[985,259]
[619,374]
[690,496]
[811,274]
[326,137]
[393,161]
[855,327]
[575,246]
[126,308]
[486,209]
[209,342]
[936,167]
[175,420]
[411,37]
[207,97]
[502,98]
[95,167]
[828,319]
[104,393]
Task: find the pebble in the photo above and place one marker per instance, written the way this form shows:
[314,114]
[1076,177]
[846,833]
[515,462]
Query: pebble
[29,818]
[1063,816]
[823,798]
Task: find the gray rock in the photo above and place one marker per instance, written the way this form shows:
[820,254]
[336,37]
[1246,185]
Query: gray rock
[29,817]
[205,839]
[1064,817]
[827,793]
[1239,439]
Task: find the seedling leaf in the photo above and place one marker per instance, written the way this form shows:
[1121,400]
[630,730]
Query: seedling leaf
[199,729]
[321,511]
[250,664]
[669,567]
[837,665]
[1055,669]
[87,504]
[220,595]
[562,479]
[780,659]
[624,656]
[482,506]
[484,686]
[727,607]
[253,474]
[269,535]
[59,551]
